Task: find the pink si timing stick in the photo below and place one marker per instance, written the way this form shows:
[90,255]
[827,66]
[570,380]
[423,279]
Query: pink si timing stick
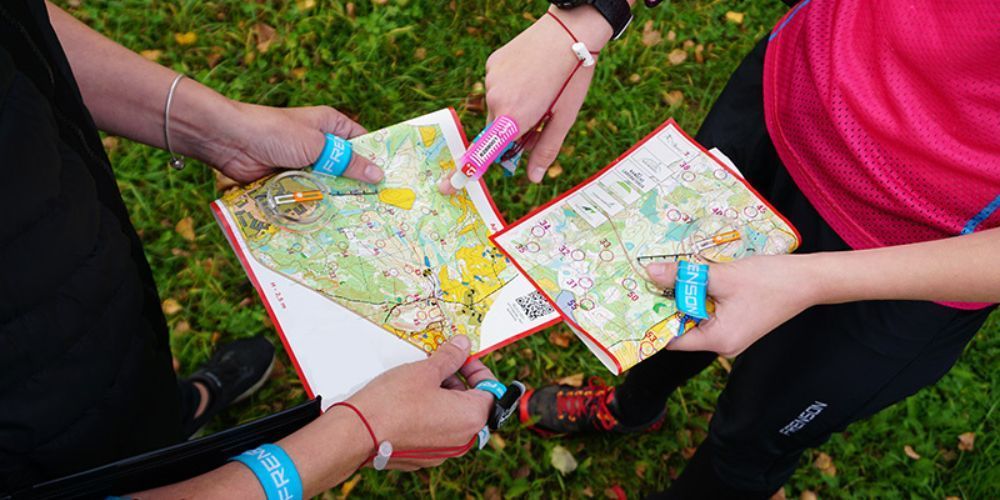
[485,151]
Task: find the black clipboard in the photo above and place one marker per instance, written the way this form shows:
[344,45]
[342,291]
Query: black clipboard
[174,463]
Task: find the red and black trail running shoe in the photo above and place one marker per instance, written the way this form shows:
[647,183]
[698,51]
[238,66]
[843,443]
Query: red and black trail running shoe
[564,409]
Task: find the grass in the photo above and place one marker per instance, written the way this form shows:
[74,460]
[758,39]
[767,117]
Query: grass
[384,62]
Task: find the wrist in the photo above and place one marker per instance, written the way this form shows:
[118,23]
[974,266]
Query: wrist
[586,23]
[204,124]
[820,274]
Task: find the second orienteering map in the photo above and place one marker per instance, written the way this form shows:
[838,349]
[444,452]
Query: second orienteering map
[666,199]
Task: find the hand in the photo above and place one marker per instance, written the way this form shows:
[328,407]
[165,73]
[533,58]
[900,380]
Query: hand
[525,75]
[752,297]
[258,140]
[423,404]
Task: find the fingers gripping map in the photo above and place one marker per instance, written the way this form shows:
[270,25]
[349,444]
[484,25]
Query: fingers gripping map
[666,199]
[412,261]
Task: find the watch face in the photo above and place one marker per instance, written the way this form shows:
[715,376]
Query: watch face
[567,4]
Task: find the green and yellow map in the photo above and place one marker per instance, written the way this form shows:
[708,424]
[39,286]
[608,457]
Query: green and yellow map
[664,201]
[414,262]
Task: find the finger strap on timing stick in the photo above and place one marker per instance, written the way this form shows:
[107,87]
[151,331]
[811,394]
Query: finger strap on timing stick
[505,400]
[691,289]
[335,157]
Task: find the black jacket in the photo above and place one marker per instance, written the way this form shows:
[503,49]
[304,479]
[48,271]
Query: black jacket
[85,365]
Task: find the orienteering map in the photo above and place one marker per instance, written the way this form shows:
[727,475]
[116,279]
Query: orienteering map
[409,260]
[665,199]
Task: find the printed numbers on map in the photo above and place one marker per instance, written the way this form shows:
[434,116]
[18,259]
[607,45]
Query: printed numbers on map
[634,296]
[605,243]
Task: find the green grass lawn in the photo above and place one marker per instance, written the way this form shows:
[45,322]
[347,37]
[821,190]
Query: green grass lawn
[386,61]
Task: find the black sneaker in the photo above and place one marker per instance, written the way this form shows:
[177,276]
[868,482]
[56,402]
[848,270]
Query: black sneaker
[235,372]
[564,409]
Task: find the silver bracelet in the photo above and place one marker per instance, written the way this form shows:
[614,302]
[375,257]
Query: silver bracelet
[176,162]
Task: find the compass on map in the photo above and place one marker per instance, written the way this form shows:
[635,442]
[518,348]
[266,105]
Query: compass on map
[300,201]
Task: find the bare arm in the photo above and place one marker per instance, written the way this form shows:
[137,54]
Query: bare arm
[417,405]
[126,95]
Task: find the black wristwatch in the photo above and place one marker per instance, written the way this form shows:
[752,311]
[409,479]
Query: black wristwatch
[618,13]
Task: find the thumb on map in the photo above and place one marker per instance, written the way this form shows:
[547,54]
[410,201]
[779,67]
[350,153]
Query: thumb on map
[450,356]
[663,274]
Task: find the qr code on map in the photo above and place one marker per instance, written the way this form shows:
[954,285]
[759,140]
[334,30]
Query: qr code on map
[534,305]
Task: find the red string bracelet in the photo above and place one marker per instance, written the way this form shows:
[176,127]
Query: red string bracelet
[417,453]
[528,140]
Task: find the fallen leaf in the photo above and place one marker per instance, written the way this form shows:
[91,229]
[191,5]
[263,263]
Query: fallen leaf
[554,171]
[522,472]
[110,143]
[779,495]
[688,452]
[524,372]
[574,380]
[304,5]
[825,464]
[699,53]
[528,16]
[265,35]
[299,74]
[497,355]
[348,486]
[587,491]
[634,78]
[171,307]
[350,9]
[966,441]
[380,2]
[223,183]
[910,452]
[677,56]
[948,455]
[185,228]
[179,252]
[726,365]
[560,338]
[216,336]
[640,470]
[151,55]
[734,17]
[808,495]
[496,442]
[182,327]
[688,44]
[616,492]
[186,38]
[420,54]
[673,98]
[74,3]
[671,35]
[213,57]
[952,497]
[478,88]
[492,493]
[650,37]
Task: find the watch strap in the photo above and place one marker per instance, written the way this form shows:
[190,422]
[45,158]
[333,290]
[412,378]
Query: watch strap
[618,13]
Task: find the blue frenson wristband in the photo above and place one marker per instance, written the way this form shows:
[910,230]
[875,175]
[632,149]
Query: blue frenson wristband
[274,470]
[335,157]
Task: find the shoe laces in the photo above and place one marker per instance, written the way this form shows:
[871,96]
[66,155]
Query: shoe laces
[590,401]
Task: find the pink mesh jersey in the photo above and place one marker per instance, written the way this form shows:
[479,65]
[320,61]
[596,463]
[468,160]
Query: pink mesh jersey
[887,115]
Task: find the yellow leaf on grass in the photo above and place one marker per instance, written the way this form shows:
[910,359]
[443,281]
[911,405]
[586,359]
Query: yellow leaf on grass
[650,37]
[185,228]
[677,56]
[265,35]
[910,452]
[560,338]
[496,442]
[151,55]
[673,98]
[305,4]
[348,486]
[808,495]
[171,307]
[574,380]
[563,460]
[966,441]
[186,38]
[182,327]
[554,171]
[735,17]
[825,464]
